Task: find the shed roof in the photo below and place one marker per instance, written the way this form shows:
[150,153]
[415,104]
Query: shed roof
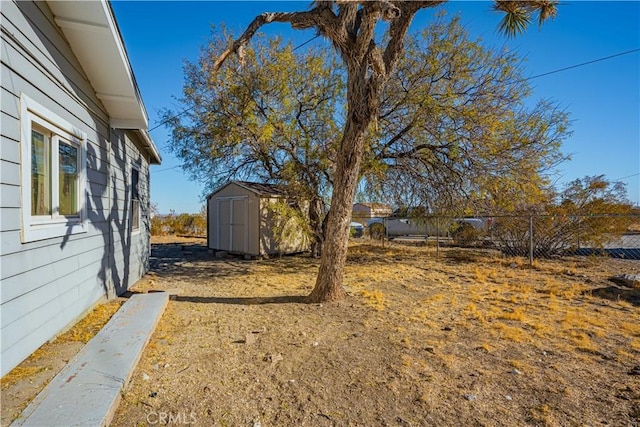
[259,188]
[262,188]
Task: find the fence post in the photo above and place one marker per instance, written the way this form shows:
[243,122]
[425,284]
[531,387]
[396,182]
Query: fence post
[531,241]
[437,237]
[384,234]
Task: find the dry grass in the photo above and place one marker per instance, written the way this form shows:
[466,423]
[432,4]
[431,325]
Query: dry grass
[375,299]
[26,380]
[437,329]
[20,373]
[91,324]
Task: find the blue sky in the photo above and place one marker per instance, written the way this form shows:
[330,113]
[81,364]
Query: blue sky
[603,98]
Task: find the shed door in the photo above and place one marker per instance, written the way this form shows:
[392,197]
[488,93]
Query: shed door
[239,225]
[232,224]
[224,224]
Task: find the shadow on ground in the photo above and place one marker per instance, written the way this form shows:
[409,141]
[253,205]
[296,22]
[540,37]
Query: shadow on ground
[196,260]
[289,299]
[617,293]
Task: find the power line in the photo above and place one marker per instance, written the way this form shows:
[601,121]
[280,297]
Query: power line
[625,177]
[167,169]
[307,42]
[175,116]
[578,65]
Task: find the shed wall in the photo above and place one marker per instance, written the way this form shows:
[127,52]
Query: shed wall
[46,285]
[279,234]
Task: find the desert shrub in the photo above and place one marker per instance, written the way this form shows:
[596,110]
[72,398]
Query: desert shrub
[464,234]
[376,230]
[188,224]
[589,212]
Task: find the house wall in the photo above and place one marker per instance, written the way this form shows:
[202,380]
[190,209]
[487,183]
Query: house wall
[360,213]
[253,217]
[46,285]
[130,249]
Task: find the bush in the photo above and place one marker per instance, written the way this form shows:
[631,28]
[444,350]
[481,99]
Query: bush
[464,234]
[376,230]
[187,224]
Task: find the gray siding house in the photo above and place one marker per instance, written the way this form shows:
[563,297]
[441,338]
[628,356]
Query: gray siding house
[74,170]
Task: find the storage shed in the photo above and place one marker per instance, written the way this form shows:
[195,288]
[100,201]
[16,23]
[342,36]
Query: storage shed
[253,219]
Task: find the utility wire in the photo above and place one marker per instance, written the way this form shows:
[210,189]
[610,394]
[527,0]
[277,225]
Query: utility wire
[167,169]
[625,177]
[578,65]
[582,64]
[307,42]
[175,116]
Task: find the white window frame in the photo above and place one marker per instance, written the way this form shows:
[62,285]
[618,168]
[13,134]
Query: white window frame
[139,229]
[42,227]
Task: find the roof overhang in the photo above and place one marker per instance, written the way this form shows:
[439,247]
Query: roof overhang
[92,32]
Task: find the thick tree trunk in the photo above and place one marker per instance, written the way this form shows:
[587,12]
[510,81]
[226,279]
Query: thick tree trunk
[315,220]
[334,251]
[363,86]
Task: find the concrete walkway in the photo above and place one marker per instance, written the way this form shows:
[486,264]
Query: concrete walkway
[87,391]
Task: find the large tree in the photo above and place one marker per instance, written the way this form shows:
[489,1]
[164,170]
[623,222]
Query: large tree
[273,120]
[369,62]
[453,127]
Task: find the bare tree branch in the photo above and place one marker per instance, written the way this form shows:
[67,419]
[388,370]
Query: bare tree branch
[320,17]
[399,27]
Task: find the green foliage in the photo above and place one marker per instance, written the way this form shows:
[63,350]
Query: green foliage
[273,120]
[411,212]
[464,234]
[376,230]
[454,130]
[288,224]
[518,14]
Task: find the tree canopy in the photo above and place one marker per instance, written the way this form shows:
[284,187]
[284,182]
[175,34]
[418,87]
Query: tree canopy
[453,124]
[456,127]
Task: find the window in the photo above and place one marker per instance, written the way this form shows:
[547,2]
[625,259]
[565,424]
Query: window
[53,174]
[135,200]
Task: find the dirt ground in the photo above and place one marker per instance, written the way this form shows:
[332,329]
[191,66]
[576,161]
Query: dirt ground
[466,338]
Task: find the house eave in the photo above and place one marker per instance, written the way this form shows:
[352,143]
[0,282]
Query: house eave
[93,35]
[154,155]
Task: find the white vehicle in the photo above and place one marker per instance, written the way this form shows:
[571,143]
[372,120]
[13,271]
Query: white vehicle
[393,226]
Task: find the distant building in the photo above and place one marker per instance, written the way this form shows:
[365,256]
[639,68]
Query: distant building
[362,212]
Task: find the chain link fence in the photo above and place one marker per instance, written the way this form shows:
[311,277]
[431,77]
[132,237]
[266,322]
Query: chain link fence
[531,236]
